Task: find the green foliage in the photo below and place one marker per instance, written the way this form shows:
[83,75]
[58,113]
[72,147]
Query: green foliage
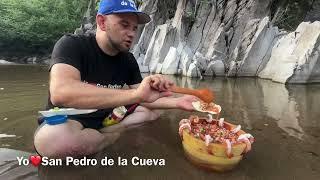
[97,4]
[38,23]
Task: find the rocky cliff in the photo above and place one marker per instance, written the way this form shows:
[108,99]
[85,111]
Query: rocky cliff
[231,38]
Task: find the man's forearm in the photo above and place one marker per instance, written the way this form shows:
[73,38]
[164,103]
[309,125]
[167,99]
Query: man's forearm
[162,103]
[83,96]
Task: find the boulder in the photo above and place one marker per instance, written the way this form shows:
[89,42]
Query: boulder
[193,70]
[5,62]
[215,68]
[202,62]
[32,60]
[170,63]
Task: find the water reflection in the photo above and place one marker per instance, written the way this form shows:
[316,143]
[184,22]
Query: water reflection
[283,108]
[250,98]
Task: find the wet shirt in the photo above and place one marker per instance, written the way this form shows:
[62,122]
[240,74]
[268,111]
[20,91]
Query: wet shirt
[96,67]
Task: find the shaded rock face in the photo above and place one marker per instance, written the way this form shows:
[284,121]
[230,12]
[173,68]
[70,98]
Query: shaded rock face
[88,24]
[232,38]
[314,14]
[295,57]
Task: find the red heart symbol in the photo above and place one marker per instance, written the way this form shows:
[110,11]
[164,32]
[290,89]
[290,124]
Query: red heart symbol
[35,160]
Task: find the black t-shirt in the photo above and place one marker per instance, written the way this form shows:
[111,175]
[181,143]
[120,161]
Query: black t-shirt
[96,67]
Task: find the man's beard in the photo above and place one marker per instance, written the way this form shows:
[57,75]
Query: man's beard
[117,46]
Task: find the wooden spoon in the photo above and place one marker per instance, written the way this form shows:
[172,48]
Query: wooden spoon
[204,94]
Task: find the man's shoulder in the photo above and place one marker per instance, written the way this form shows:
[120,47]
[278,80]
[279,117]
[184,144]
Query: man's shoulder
[127,55]
[74,38]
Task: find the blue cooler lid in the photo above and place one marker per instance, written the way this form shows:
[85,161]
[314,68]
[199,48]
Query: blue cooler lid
[58,119]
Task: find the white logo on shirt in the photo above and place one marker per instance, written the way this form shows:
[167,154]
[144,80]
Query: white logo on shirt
[110,86]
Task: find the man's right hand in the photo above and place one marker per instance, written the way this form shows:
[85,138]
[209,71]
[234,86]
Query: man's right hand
[154,87]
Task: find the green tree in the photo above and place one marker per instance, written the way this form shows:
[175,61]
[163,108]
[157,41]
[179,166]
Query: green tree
[34,24]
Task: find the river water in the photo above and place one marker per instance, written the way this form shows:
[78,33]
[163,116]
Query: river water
[285,121]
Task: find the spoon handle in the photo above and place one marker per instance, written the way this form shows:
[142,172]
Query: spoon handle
[181,90]
[203,94]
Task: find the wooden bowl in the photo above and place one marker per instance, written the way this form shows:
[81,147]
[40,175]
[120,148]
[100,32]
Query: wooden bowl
[213,156]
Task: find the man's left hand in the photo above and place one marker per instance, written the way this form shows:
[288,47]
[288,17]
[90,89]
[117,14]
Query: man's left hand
[185,102]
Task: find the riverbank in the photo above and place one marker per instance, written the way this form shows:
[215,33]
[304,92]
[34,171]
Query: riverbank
[31,59]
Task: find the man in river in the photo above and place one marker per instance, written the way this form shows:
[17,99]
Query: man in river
[89,72]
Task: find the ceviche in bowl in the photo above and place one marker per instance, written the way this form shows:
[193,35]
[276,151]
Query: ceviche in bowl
[213,143]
